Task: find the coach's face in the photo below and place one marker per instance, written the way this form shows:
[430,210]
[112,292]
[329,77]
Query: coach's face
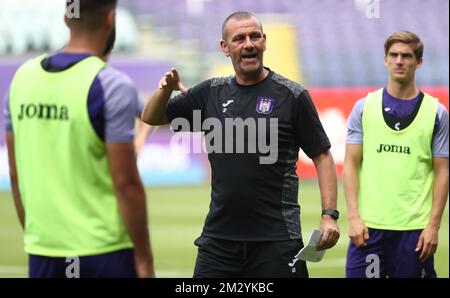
[244,42]
[401,63]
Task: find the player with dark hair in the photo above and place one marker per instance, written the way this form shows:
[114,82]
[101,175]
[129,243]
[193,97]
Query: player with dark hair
[396,171]
[253,225]
[70,125]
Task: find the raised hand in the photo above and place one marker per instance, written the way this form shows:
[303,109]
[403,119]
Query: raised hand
[171,80]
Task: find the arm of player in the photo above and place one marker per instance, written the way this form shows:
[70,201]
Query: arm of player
[141,136]
[358,231]
[326,172]
[132,203]
[14,179]
[428,239]
[154,110]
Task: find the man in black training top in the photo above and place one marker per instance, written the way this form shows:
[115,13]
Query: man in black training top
[253,225]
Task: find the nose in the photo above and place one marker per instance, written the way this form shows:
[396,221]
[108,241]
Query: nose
[248,44]
[399,59]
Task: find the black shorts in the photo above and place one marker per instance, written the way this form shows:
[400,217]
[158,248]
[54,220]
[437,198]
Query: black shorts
[218,258]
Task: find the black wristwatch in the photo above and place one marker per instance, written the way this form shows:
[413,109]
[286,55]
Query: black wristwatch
[331,212]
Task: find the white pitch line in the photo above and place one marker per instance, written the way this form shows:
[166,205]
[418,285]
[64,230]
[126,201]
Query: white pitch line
[329,263]
[174,273]
[17,270]
[22,270]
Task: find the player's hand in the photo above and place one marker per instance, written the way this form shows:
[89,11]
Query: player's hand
[428,242]
[171,80]
[330,233]
[144,267]
[358,232]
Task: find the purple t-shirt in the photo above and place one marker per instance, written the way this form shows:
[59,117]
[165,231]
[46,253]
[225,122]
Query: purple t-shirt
[400,108]
[113,102]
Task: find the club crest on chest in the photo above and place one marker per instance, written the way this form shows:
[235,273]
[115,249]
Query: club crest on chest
[264,105]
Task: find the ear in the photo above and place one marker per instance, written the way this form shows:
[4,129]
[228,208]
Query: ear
[224,47]
[111,18]
[66,20]
[385,61]
[264,44]
[419,63]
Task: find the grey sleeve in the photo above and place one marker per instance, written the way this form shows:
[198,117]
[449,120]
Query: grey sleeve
[121,106]
[7,115]
[139,108]
[354,123]
[440,137]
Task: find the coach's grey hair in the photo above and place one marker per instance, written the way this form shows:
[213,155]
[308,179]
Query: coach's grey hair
[239,15]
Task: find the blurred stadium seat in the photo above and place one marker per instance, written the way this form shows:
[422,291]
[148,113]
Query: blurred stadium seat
[338,45]
[37,26]
[331,47]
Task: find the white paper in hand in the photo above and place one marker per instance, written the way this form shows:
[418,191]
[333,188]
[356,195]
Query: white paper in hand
[309,252]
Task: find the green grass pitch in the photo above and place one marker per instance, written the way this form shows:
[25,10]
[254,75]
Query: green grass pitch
[176,219]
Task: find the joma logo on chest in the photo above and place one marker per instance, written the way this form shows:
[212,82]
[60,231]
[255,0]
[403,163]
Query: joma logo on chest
[43,111]
[393,148]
